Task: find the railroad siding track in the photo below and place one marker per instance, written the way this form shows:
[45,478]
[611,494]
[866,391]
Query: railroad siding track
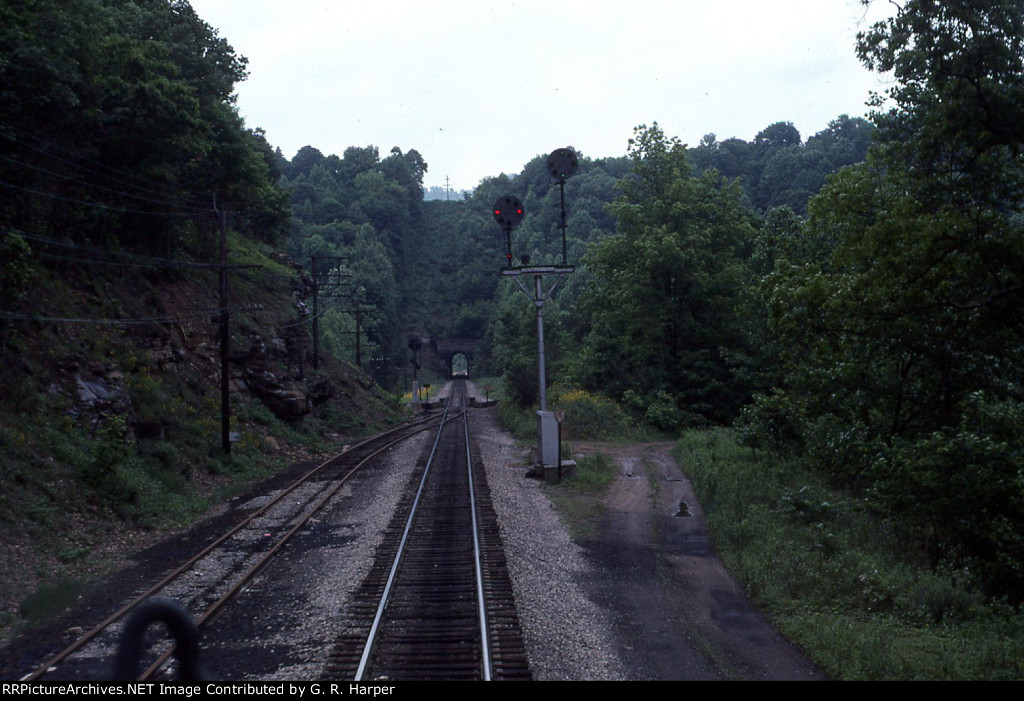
[430,628]
[433,611]
[206,582]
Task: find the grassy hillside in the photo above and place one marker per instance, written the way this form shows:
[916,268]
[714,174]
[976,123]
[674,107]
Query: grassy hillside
[110,411]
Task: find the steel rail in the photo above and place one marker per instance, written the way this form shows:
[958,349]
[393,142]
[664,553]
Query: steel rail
[481,603]
[482,621]
[371,638]
[212,612]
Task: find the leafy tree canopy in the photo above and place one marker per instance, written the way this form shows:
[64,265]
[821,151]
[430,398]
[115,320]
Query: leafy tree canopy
[663,291]
[901,343]
[119,125]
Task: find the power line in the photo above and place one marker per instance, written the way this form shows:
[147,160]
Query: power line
[96,186]
[97,205]
[136,259]
[167,195]
[157,188]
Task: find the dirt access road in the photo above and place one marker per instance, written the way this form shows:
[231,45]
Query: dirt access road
[677,611]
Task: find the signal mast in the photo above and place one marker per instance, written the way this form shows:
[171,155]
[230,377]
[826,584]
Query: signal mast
[508,213]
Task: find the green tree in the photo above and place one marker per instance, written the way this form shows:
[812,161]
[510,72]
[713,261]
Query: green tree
[119,126]
[663,293]
[898,317]
[778,135]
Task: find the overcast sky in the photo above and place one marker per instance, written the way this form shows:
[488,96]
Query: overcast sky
[479,88]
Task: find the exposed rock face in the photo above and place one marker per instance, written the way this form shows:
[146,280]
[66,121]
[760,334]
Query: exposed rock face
[288,404]
[321,391]
[270,368]
[97,391]
[289,399]
[286,400]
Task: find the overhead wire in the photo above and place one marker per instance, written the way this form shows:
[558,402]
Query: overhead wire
[189,211]
[157,193]
[97,205]
[121,321]
[135,259]
[151,188]
[113,174]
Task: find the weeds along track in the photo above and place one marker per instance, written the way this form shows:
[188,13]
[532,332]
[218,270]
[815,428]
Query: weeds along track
[437,603]
[206,583]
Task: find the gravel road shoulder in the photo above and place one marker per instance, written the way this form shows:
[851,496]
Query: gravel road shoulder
[678,613]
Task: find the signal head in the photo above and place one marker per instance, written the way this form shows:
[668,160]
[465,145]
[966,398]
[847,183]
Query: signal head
[562,163]
[508,211]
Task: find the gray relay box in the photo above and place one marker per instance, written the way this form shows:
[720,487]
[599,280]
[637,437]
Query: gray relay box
[547,439]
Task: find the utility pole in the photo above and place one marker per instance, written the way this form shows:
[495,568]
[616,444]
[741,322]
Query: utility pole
[316,315]
[225,335]
[359,325]
[224,328]
[336,268]
[357,313]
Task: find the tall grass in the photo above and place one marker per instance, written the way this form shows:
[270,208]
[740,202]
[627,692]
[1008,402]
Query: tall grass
[837,580]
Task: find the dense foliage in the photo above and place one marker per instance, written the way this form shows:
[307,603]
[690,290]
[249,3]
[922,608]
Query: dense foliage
[777,169]
[896,315]
[663,298]
[869,328]
[119,128]
[362,217]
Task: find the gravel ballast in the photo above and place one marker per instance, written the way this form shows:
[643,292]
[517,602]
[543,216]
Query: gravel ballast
[567,636]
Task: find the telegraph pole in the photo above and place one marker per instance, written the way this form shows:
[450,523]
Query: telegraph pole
[359,324]
[225,335]
[224,330]
[333,275]
[316,315]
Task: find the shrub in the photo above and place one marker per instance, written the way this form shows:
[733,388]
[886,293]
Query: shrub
[591,416]
[770,421]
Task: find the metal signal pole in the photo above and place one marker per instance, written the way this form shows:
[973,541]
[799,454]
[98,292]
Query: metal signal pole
[508,212]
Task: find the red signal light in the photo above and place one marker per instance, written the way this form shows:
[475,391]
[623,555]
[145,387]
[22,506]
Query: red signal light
[508,211]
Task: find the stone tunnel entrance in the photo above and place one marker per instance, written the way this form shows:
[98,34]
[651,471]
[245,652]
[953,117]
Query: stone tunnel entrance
[455,354]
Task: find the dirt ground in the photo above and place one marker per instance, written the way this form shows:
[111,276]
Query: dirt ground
[678,612]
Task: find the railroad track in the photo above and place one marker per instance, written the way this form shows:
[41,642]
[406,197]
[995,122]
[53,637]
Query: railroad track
[206,583]
[438,603]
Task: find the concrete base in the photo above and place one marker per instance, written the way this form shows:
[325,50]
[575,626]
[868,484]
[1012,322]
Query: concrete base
[567,469]
[553,474]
